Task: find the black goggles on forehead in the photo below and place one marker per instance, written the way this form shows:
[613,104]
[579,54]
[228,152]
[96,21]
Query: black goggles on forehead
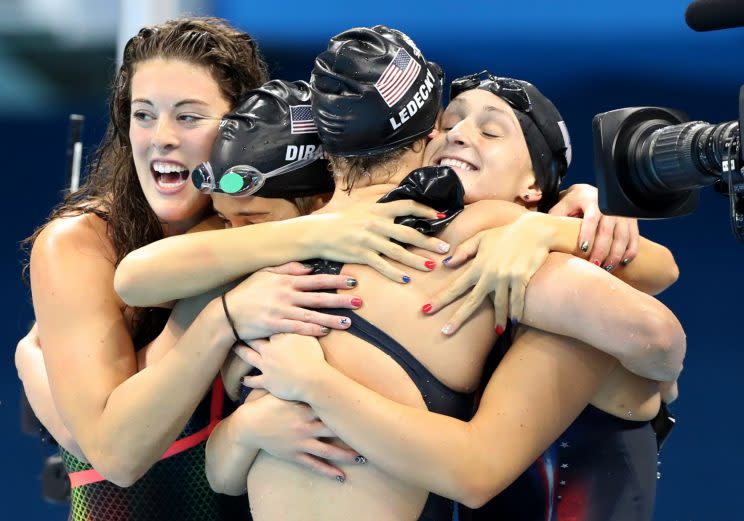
[241,179]
[508,89]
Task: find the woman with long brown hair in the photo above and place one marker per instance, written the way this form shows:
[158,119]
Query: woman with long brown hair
[137,425]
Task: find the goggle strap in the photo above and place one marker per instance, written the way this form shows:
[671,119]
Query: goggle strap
[294,165]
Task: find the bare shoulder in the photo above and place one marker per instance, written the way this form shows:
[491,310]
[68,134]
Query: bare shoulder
[82,235]
[72,253]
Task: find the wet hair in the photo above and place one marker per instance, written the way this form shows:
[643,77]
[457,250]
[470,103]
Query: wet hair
[112,190]
[305,205]
[353,168]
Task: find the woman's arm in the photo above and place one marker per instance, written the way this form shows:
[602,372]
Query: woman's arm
[652,271]
[187,265]
[569,296]
[505,260]
[288,430]
[29,362]
[123,420]
[538,389]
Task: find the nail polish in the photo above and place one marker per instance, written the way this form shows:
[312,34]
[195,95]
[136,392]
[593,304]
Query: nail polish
[514,323]
[609,267]
[325,330]
[430,264]
[446,260]
[406,279]
[441,215]
[585,246]
[426,308]
[361,460]
[351,282]
[443,247]
[625,262]
[340,478]
[344,321]
[595,262]
[356,302]
[447,329]
[499,329]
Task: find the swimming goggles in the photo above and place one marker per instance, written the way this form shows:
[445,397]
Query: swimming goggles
[241,179]
[510,90]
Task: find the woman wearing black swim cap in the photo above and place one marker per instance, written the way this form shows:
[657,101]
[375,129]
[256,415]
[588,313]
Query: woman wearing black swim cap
[377,395]
[177,80]
[503,137]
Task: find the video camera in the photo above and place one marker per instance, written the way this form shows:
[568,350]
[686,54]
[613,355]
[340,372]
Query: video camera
[651,162]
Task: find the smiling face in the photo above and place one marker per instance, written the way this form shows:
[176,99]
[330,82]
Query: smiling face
[481,139]
[175,112]
[238,211]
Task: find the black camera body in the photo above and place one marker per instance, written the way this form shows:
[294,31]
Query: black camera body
[620,137]
[651,162]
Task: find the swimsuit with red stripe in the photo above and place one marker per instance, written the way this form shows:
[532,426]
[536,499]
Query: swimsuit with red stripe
[175,487]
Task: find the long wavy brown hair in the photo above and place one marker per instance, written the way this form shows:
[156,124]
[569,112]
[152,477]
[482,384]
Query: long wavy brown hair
[111,189]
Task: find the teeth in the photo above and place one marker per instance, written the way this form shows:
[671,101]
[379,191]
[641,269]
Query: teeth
[167,184]
[162,167]
[456,163]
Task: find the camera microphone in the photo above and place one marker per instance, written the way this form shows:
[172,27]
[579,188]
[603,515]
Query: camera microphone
[711,15]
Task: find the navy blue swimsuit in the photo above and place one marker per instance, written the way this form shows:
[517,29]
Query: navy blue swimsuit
[602,468]
[438,397]
[438,188]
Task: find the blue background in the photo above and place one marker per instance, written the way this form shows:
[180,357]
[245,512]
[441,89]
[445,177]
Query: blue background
[588,57]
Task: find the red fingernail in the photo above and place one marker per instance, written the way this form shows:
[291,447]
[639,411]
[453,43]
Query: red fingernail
[356,302]
[596,262]
[430,264]
[499,329]
[426,308]
[441,215]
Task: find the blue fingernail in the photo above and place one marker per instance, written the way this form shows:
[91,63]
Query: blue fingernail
[514,322]
[446,260]
[406,279]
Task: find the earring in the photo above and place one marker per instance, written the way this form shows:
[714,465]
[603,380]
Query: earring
[526,197]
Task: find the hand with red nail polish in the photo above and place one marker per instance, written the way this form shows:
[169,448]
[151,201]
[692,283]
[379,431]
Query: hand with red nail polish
[503,261]
[361,233]
[283,299]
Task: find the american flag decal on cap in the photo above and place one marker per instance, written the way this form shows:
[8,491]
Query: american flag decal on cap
[397,77]
[302,119]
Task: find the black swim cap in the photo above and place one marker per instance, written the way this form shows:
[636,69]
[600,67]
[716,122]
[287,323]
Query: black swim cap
[373,92]
[268,146]
[543,127]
